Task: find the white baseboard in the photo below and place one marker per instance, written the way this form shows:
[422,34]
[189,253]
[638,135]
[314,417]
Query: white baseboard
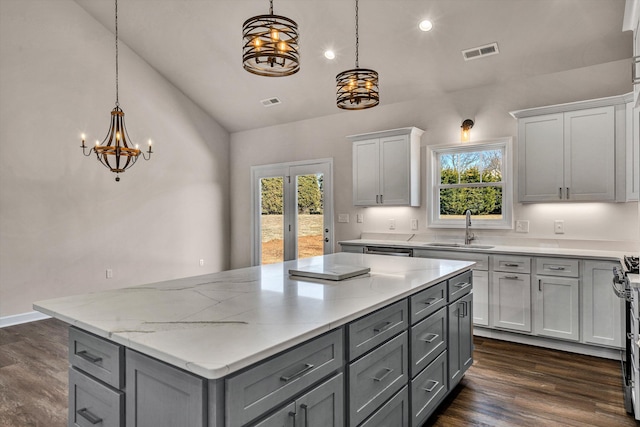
[17,319]
[589,350]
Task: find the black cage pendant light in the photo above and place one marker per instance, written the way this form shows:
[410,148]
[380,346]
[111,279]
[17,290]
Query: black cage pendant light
[116,151]
[270,45]
[357,88]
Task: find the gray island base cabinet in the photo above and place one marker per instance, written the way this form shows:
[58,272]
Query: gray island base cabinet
[391,367]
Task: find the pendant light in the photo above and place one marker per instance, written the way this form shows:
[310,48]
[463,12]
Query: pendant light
[116,152]
[357,88]
[270,45]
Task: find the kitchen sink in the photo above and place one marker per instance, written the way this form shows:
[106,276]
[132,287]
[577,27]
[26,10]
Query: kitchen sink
[457,245]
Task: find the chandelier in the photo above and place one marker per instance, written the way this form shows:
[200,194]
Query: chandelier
[357,88]
[116,152]
[270,45]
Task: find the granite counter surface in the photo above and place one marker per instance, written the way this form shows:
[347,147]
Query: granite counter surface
[216,324]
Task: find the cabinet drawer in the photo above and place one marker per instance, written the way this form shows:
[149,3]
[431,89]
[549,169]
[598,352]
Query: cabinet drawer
[428,340]
[428,301]
[96,356]
[511,264]
[481,260]
[376,377]
[428,389]
[558,267]
[263,387]
[460,285]
[393,413]
[93,403]
[372,330]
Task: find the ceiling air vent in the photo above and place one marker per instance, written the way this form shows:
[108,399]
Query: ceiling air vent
[480,52]
[270,102]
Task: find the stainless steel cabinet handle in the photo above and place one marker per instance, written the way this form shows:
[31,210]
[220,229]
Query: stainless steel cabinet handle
[381,201]
[431,338]
[293,414]
[434,384]
[301,372]
[567,193]
[560,192]
[306,415]
[89,357]
[555,268]
[430,301]
[462,285]
[383,376]
[540,285]
[511,265]
[84,413]
[511,277]
[382,327]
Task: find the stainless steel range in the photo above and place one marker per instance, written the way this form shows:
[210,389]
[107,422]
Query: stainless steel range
[630,359]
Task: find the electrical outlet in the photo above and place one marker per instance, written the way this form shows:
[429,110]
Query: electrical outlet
[392,224]
[558,226]
[343,217]
[201,262]
[522,226]
[360,218]
[414,224]
[109,273]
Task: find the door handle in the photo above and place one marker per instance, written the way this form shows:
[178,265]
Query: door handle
[383,376]
[567,193]
[434,384]
[84,413]
[559,192]
[301,372]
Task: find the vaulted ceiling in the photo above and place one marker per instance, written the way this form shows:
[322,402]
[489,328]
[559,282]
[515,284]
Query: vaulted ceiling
[197,46]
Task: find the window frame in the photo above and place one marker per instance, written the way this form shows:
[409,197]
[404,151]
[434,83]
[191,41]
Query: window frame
[433,181]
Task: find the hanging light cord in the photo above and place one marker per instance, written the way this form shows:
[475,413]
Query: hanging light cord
[270,7]
[357,40]
[117,100]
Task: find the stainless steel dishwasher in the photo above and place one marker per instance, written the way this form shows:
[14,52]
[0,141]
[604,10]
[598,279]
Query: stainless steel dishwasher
[392,251]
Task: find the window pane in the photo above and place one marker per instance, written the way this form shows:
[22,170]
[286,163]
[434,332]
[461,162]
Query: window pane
[492,166]
[271,220]
[310,215]
[470,166]
[448,169]
[483,202]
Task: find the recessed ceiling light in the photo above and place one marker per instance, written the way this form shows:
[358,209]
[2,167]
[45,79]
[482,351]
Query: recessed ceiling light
[425,25]
[329,54]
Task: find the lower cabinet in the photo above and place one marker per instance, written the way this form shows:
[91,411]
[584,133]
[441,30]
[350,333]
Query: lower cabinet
[93,403]
[393,413]
[556,308]
[602,310]
[428,389]
[320,407]
[480,298]
[460,338]
[511,301]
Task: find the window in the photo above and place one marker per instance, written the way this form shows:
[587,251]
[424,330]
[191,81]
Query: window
[475,177]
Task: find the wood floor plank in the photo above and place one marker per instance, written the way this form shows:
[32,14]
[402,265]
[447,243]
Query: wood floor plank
[508,385]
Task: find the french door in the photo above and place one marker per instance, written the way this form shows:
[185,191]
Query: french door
[292,211]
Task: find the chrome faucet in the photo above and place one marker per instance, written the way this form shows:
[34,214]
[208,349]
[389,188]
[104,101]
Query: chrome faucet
[468,236]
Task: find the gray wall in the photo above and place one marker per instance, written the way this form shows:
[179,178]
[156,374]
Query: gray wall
[440,115]
[63,218]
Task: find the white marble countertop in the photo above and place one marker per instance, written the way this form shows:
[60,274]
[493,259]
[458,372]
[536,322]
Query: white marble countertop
[500,249]
[216,324]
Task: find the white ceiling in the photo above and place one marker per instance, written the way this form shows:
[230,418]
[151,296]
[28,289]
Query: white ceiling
[197,45]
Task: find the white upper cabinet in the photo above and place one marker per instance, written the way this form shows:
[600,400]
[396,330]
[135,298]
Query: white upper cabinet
[631,22]
[574,152]
[386,168]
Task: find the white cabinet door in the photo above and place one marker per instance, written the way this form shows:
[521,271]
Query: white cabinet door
[366,173]
[541,158]
[632,156]
[394,170]
[602,310]
[480,298]
[589,153]
[511,301]
[556,307]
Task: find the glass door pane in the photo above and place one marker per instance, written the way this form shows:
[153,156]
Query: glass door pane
[272,219]
[310,215]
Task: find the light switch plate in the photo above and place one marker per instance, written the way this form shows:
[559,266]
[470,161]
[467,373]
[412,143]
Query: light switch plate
[392,224]
[360,218]
[558,226]
[522,226]
[414,224]
[343,217]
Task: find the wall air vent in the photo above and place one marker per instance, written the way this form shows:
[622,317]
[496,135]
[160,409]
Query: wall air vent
[270,102]
[480,52]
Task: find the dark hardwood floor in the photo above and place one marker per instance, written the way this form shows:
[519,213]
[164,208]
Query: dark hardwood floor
[508,384]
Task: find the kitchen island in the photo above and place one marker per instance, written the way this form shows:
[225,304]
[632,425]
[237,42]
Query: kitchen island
[257,345]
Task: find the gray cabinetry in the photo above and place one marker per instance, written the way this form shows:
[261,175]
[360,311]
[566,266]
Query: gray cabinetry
[428,389]
[320,407]
[372,330]
[263,387]
[460,340]
[159,395]
[393,413]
